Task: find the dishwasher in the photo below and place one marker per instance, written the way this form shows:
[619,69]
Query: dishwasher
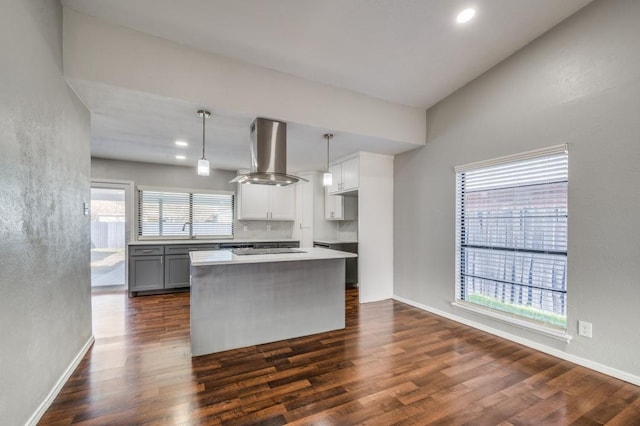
[351,264]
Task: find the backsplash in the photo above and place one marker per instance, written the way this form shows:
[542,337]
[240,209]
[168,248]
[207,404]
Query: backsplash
[262,229]
[347,230]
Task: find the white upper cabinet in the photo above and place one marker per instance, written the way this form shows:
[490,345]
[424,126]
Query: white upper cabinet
[253,202]
[265,202]
[339,207]
[345,176]
[283,202]
[333,207]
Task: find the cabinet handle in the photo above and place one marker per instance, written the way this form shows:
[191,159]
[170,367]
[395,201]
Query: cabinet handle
[147,251]
[161,260]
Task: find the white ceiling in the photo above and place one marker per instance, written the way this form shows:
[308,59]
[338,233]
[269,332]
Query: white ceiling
[410,52]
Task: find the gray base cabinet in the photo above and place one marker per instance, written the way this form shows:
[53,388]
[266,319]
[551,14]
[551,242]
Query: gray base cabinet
[153,268]
[146,273]
[176,271]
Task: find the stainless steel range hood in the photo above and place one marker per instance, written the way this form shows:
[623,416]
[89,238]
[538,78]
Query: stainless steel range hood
[268,155]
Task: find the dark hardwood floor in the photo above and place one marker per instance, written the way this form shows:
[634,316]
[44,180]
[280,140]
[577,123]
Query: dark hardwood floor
[392,364]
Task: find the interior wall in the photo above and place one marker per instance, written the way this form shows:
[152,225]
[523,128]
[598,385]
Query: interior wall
[45,307]
[375,227]
[186,177]
[100,52]
[577,84]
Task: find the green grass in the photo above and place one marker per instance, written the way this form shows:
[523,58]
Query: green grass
[524,311]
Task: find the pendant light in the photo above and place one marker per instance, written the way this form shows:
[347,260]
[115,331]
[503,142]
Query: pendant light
[203,163]
[327,178]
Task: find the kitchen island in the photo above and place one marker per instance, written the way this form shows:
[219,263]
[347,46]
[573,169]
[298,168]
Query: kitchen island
[246,299]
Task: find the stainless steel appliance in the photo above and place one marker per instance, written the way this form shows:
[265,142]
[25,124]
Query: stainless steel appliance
[268,155]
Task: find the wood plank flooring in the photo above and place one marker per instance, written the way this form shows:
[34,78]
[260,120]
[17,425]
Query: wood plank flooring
[392,364]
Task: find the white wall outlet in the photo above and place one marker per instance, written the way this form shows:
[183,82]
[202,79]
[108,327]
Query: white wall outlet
[268,228]
[585,329]
[245,228]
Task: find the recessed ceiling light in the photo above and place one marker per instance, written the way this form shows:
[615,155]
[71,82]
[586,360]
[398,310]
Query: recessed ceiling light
[180,157]
[465,16]
[182,143]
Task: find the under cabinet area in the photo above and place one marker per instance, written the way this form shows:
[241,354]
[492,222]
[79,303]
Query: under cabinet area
[265,202]
[345,176]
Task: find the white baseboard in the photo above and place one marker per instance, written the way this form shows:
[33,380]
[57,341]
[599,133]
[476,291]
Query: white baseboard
[46,403]
[610,371]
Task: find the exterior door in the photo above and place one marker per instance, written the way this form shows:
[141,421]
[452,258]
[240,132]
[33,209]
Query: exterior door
[109,233]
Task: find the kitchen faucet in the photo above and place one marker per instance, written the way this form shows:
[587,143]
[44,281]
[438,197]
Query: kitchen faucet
[185,225]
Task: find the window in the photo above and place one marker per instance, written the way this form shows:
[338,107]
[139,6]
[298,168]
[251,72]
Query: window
[511,235]
[176,213]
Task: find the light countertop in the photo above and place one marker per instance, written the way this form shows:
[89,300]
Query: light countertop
[219,257]
[197,241]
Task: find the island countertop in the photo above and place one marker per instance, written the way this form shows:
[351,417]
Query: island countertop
[219,257]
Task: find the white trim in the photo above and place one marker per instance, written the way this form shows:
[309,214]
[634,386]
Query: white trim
[554,333]
[556,149]
[53,393]
[182,190]
[610,371]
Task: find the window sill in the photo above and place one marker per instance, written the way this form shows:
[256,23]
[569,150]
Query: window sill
[522,323]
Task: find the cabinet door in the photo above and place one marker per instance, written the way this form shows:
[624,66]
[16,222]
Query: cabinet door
[146,273]
[176,271]
[336,178]
[254,202]
[350,175]
[283,203]
[333,207]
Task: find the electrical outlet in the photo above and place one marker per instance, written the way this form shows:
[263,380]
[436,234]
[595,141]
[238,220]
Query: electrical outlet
[268,228]
[245,228]
[585,329]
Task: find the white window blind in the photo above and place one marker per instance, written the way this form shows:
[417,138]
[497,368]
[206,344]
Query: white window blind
[167,213]
[511,235]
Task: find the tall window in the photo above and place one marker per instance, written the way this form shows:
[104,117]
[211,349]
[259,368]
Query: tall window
[511,235]
[179,213]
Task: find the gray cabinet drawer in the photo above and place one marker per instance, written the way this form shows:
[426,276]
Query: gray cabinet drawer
[185,249]
[145,250]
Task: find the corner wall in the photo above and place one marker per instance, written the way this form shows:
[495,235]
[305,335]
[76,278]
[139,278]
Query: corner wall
[45,302]
[577,84]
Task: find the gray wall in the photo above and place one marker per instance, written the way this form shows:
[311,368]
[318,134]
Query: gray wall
[45,302]
[578,84]
[161,175]
[186,177]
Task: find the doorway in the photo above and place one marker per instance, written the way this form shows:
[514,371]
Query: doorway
[110,227]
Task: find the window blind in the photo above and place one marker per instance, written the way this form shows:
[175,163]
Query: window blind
[511,235]
[165,213]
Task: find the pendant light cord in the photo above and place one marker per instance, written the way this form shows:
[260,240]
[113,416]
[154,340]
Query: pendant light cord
[203,118]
